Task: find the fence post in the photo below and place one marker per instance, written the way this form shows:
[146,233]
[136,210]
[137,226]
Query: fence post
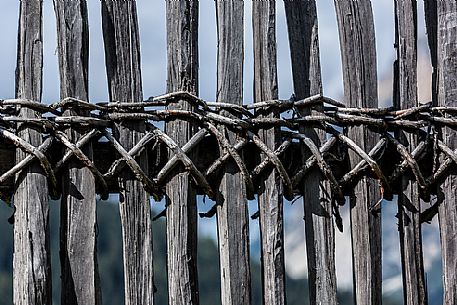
[232,211]
[302,25]
[358,51]
[31,259]
[80,282]
[405,96]
[182,53]
[122,53]
[270,193]
[447,97]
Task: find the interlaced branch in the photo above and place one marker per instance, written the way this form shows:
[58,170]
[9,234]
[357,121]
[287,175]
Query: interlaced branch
[246,123]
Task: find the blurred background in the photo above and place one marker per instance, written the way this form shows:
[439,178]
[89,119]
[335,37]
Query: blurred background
[151,16]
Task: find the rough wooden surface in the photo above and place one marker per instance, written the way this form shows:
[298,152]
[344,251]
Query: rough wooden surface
[447,96]
[122,53]
[319,229]
[31,259]
[80,282]
[232,212]
[270,197]
[405,96]
[182,53]
[104,159]
[358,50]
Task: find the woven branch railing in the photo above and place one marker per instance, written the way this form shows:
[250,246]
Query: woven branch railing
[177,145]
[425,121]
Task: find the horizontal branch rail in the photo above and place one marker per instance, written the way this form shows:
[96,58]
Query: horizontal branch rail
[247,129]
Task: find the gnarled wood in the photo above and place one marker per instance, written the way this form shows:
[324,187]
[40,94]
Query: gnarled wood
[405,97]
[182,53]
[319,229]
[447,96]
[31,259]
[358,51]
[270,197]
[122,52]
[80,282]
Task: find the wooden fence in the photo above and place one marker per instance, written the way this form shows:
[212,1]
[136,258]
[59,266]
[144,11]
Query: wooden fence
[327,151]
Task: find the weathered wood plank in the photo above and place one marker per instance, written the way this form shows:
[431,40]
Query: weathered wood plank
[232,212]
[405,96]
[122,53]
[182,53]
[31,259]
[80,281]
[447,96]
[302,26]
[270,197]
[358,50]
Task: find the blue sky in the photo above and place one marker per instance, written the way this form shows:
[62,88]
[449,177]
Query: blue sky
[152,30]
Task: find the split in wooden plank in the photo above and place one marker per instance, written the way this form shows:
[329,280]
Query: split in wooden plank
[182,69]
[122,55]
[319,229]
[31,257]
[358,53]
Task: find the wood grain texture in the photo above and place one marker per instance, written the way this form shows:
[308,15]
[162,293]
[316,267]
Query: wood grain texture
[182,53]
[405,96]
[447,96]
[31,258]
[358,51]
[270,197]
[122,53]
[80,281]
[232,212]
[319,229]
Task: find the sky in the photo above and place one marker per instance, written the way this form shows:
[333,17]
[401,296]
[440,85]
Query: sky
[151,16]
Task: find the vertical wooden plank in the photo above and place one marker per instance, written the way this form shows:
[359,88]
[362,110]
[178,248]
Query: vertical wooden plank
[302,26]
[182,52]
[31,259]
[405,97]
[80,281]
[122,53]
[270,197]
[232,212]
[358,51]
[447,96]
